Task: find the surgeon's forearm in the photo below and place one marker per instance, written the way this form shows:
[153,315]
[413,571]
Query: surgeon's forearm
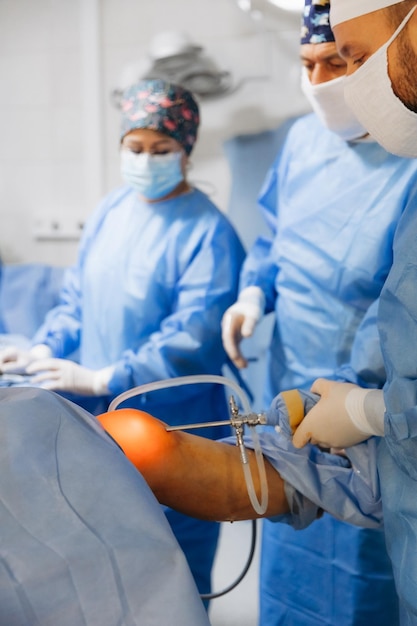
[204,479]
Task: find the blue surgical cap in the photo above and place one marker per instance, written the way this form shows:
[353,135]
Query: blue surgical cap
[316,23]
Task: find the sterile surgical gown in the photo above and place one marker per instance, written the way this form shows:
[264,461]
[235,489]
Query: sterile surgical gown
[333,208]
[397,453]
[147,295]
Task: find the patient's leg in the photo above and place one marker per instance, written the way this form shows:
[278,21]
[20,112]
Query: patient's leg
[192,474]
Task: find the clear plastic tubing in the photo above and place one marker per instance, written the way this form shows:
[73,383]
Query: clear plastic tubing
[259,507]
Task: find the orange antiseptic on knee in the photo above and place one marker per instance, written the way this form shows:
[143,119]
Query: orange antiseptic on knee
[143,438]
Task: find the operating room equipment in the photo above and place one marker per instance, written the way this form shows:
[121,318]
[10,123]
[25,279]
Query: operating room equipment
[173,56]
[237,421]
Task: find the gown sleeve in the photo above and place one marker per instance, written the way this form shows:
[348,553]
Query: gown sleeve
[398,333]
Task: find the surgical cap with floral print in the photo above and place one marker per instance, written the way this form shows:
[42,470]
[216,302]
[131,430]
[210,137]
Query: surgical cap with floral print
[165,107]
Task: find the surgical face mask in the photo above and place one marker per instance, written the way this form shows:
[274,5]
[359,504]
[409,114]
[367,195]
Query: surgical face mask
[328,102]
[368,92]
[154,176]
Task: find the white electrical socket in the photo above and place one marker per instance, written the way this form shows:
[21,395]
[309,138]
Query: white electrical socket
[57,229]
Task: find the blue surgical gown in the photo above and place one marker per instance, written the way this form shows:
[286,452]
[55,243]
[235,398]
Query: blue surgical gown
[397,453]
[147,295]
[333,208]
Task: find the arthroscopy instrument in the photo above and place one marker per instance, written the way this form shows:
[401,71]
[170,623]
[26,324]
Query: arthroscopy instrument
[237,421]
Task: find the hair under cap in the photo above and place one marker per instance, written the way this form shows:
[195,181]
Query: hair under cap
[165,107]
[315,27]
[344,10]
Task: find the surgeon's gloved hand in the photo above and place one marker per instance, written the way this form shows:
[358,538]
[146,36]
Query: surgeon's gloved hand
[14,360]
[239,322]
[344,416]
[65,375]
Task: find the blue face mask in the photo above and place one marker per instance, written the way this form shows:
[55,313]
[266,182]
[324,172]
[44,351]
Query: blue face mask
[152,175]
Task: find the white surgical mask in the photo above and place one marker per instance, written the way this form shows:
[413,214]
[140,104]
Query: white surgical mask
[152,175]
[328,102]
[369,94]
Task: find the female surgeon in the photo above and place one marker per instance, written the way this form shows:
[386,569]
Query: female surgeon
[158,266]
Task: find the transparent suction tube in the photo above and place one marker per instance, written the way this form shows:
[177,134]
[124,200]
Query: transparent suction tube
[260,507]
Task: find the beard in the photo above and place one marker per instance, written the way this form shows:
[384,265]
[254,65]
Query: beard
[405,87]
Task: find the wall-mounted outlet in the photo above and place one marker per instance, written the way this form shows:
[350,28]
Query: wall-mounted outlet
[53,228]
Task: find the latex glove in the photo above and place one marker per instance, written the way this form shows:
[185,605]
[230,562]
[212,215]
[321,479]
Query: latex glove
[14,360]
[65,375]
[338,420]
[239,322]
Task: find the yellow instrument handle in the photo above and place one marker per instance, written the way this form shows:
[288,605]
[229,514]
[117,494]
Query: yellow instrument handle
[295,407]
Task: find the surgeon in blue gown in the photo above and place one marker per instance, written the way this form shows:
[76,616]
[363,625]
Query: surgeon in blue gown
[333,199]
[387,104]
[157,267]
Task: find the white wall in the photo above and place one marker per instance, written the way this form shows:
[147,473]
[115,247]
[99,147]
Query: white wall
[59,61]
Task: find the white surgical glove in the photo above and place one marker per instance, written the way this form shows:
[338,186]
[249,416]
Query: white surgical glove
[65,375]
[239,322]
[344,416]
[14,360]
